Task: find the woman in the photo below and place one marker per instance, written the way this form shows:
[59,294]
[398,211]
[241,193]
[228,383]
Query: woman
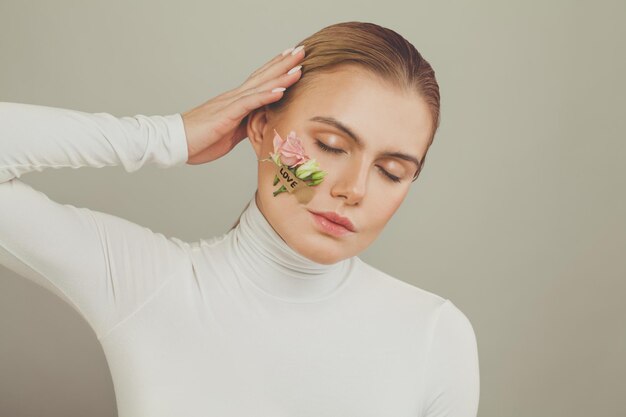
[278,316]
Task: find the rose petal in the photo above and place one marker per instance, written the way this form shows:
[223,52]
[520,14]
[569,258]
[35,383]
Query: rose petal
[278,141]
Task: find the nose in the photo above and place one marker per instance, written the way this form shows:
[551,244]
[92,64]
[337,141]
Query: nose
[351,183]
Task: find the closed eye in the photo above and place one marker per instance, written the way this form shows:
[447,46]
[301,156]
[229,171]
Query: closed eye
[327,148]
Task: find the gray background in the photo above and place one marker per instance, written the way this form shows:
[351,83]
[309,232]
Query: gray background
[518,217]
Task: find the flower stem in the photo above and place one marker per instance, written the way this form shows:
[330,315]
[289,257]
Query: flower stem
[280,190]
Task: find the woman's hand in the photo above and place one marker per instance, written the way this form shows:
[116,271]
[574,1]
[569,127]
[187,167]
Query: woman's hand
[215,127]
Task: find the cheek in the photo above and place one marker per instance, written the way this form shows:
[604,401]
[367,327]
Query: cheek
[266,172]
[333,165]
[384,208]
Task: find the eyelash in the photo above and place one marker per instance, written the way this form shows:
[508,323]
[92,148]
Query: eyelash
[327,148]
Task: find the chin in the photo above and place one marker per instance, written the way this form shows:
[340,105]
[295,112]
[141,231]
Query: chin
[320,258]
[318,252]
[325,259]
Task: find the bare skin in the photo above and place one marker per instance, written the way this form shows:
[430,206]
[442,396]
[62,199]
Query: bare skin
[356,185]
[215,127]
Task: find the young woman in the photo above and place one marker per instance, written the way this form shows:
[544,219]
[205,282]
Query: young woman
[278,316]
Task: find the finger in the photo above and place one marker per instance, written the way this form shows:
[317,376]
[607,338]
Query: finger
[252,81]
[274,70]
[249,82]
[271,62]
[285,80]
[281,66]
[260,76]
[241,107]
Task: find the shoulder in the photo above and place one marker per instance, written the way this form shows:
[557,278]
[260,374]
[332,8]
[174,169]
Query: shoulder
[452,377]
[442,314]
[454,327]
[451,373]
[398,290]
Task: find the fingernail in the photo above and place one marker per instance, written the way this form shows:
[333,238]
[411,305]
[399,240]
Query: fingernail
[294,69]
[286,51]
[277,89]
[298,49]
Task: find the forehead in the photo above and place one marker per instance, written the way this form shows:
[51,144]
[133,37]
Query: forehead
[373,109]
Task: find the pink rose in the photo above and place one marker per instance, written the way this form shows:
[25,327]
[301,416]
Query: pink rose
[290,150]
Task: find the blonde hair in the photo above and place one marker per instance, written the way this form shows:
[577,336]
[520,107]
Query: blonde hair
[373,48]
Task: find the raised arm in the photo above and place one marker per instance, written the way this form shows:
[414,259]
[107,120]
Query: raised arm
[34,137]
[104,266]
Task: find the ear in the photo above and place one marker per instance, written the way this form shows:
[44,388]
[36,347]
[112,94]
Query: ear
[257,123]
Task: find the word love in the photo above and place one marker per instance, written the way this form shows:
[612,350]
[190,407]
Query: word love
[293,167]
[289,179]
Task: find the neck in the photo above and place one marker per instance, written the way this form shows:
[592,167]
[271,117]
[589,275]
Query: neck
[276,268]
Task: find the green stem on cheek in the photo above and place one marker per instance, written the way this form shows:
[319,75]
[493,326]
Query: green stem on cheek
[282,189]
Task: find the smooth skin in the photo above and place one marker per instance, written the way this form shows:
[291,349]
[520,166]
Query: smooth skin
[357,184]
[218,125]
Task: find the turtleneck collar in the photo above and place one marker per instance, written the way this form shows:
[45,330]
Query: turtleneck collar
[278,270]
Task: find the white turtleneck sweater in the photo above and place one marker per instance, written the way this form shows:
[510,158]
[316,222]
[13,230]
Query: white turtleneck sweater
[234,325]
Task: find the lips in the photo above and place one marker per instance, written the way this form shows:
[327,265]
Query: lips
[336,218]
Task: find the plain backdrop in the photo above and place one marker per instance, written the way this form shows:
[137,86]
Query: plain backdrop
[518,216]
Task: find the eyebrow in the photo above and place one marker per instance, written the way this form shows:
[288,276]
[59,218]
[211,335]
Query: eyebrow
[345,129]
